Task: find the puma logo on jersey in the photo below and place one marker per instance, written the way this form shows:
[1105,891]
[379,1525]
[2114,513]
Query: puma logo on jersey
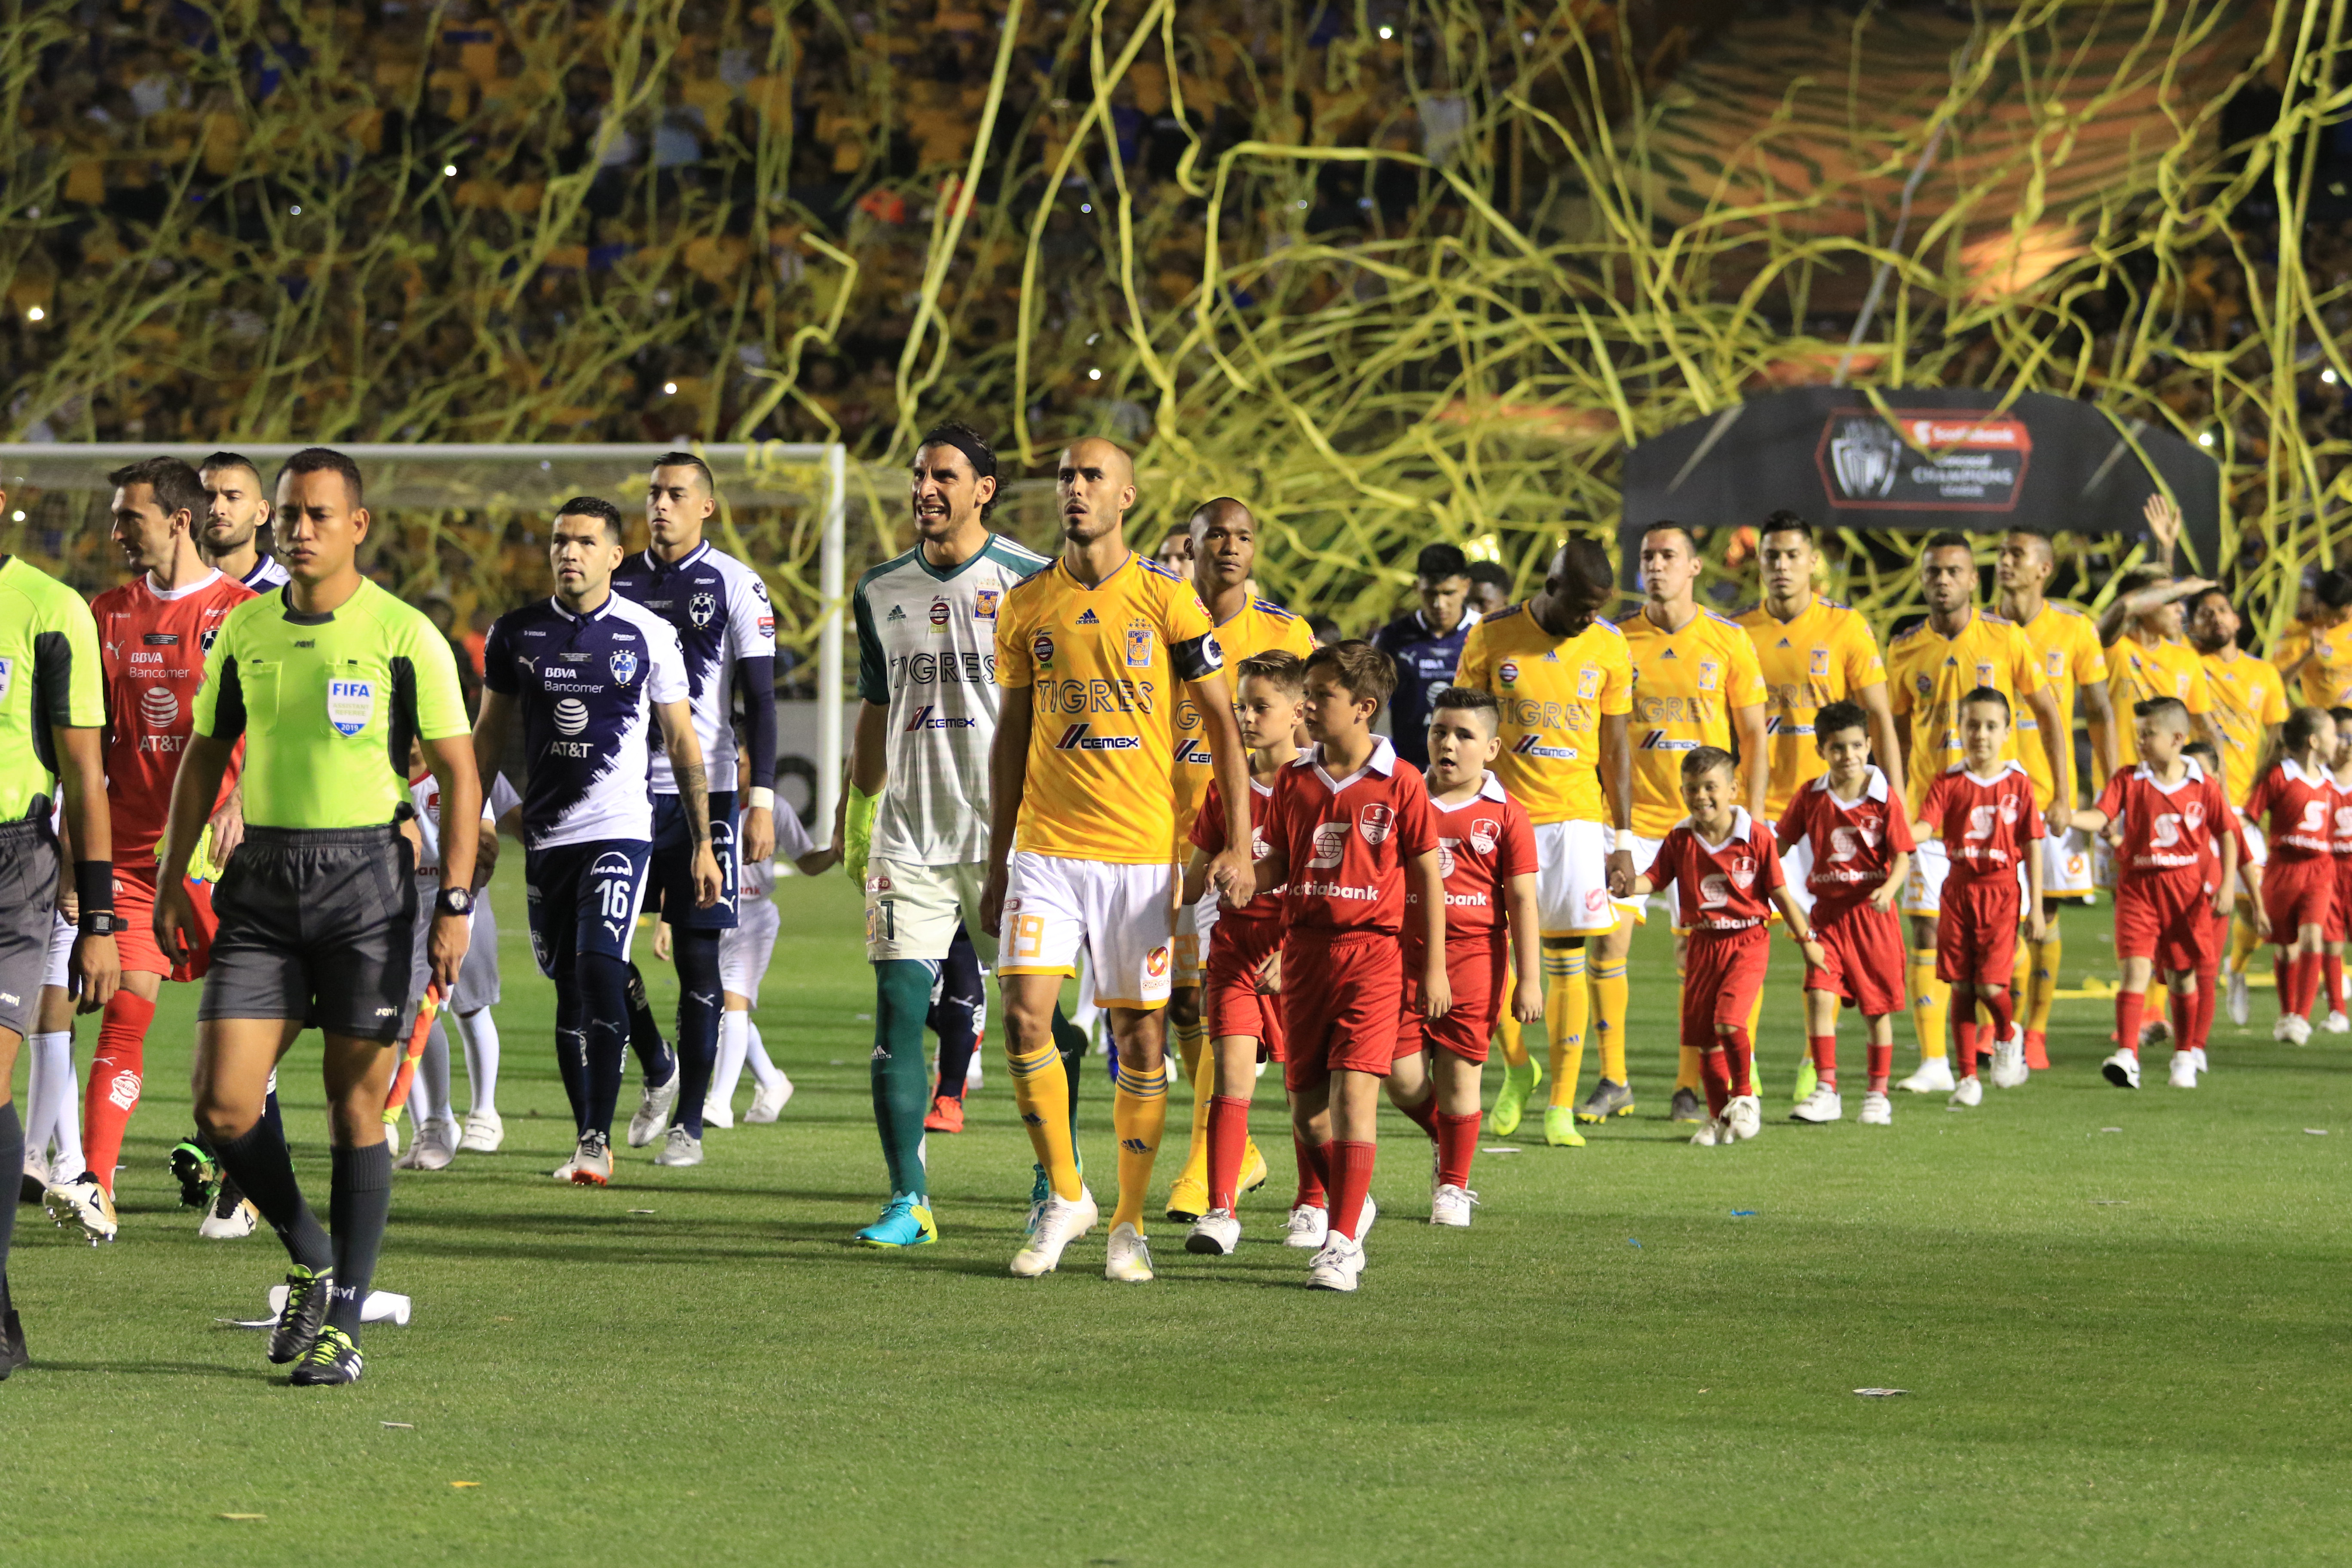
[1078,738]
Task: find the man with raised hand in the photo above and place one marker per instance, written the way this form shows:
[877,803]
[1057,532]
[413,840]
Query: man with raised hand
[915,817]
[328,681]
[1091,653]
[727,629]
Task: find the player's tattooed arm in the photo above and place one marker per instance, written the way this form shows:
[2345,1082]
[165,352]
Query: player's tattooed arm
[693,797]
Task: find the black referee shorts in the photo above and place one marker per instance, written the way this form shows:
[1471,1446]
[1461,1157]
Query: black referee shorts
[28,893]
[315,925]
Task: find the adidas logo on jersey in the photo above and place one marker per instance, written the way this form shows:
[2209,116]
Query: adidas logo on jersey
[924,719]
[1088,618]
[1669,654]
[898,613]
[1079,738]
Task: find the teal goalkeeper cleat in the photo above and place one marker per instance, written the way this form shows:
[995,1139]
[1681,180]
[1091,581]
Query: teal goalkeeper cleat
[905,1221]
[1808,1080]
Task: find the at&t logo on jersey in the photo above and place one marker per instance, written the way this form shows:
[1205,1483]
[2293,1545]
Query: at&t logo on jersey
[1531,745]
[1079,738]
[571,716]
[927,717]
[158,706]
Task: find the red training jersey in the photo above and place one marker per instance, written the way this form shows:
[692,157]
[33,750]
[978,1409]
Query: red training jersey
[2293,808]
[1852,842]
[1721,886]
[152,652]
[1985,824]
[2167,828]
[1346,840]
[1482,844]
[2339,835]
[1263,913]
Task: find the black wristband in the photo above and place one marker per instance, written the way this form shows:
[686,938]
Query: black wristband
[94,887]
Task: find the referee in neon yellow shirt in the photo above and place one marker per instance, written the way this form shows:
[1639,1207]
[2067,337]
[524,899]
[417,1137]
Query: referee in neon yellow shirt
[327,681]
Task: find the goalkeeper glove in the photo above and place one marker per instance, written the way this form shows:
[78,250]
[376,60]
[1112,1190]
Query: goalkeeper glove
[857,831]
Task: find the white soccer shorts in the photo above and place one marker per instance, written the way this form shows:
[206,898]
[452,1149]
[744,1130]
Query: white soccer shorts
[745,950]
[912,910]
[1923,890]
[2256,845]
[1645,852]
[1193,924]
[2066,866]
[1121,917]
[59,973]
[1573,878]
[1796,866]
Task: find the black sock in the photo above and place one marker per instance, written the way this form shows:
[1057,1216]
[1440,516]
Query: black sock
[1071,1042]
[12,1159]
[360,1205]
[603,983]
[654,1059]
[698,998]
[571,1052]
[956,1017]
[259,1164]
[271,1118]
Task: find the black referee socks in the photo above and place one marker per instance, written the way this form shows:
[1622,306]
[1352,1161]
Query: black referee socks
[358,1210]
[263,1170]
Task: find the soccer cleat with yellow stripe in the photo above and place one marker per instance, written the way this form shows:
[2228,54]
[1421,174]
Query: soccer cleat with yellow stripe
[1560,1128]
[1607,1100]
[906,1221]
[1511,1099]
[1254,1171]
[1188,1199]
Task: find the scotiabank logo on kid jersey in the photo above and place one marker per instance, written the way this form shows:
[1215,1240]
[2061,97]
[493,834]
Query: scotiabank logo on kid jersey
[1714,890]
[1330,843]
[1080,738]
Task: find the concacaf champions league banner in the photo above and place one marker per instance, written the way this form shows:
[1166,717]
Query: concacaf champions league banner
[1947,458]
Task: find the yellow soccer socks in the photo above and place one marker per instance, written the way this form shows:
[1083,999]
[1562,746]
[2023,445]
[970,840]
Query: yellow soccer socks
[1610,994]
[1568,1007]
[1139,1114]
[1042,1091]
[1930,1001]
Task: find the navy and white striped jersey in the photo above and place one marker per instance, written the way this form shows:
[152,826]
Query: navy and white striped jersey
[266,574]
[587,685]
[719,610]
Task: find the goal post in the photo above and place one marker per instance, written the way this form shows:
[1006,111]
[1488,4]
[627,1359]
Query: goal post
[534,478]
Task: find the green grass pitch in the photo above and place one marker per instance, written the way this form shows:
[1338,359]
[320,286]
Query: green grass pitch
[2120,1318]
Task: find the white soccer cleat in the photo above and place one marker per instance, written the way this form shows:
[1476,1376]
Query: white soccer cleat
[680,1148]
[1934,1076]
[1970,1093]
[971,1078]
[1711,1132]
[717,1115]
[653,1107]
[82,1202]
[484,1132]
[1128,1260]
[1214,1234]
[1337,1266]
[1364,1220]
[2240,1003]
[2184,1070]
[2122,1070]
[2337,1024]
[2198,1053]
[563,1173]
[1744,1117]
[2298,1029]
[1308,1228]
[1877,1110]
[226,1221]
[2009,1068]
[391,1141]
[2280,1032]
[1061,1222]
[1822,1105]
[1452,1206]
[436,1146]
[768,1100]
[592,1162]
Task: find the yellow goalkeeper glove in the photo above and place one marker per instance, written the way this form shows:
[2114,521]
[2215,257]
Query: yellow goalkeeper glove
[857,831]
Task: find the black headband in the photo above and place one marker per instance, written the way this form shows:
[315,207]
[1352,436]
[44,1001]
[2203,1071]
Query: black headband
[983,461]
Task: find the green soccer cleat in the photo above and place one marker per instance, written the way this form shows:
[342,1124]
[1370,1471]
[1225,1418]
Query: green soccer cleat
[1808,1080]
[1607,1100]
[1559,1127]
[196,1173]
[906,1222]
[1511,1099]
[331,1359]
[299,1320]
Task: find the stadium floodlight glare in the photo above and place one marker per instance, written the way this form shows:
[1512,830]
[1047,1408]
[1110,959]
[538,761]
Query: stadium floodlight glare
[534,478]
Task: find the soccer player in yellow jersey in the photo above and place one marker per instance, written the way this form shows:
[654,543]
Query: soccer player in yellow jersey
[1813,652]
[1929,669]
[2074,667]
[1695,683]
[2319,663]
[2248,705]
[1091,653]
[2147,657]
[1563,680]
[1224,552]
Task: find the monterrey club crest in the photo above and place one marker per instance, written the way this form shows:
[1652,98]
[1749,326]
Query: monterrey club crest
[624,663]
[1375,822]
[702,609]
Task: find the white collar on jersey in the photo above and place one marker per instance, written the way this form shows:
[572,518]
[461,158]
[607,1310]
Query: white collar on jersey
[599,612]
[2196,771]
[169,594]
[1874,787]
[657,565]
[1382,761]
[1742,826]
[1489,788]
[2007,768]
[2295,770]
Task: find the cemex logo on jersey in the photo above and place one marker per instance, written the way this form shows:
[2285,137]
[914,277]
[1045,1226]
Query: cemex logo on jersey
[1077,738]
[1531,745]
[924,719]
[1659,740]
[1188,749]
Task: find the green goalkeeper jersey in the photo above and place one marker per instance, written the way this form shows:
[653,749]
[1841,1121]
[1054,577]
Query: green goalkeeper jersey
[327,705]
[49,677]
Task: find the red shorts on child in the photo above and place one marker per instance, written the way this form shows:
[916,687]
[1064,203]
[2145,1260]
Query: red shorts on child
[1339,1002]
[2298,892]
[1722,973]
[1976,935]
[1865,948]
[2339,913]
[1478,973]
[1234,1004]
[2166,919]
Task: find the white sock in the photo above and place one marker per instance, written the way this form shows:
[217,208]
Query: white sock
[764,1072]
[481,1032]
[428,1091]
[728,1072]
[52,1101]
[1085,1014]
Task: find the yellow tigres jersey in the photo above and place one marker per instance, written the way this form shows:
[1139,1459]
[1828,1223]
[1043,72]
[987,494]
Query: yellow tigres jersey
[1685,685]
[1553,695]
[1104,664]
[2067,651]
[1258,626]
[2138,672]
[2294,642]
[1823,655]
[1928,673]
[2248,699]
[2326,678]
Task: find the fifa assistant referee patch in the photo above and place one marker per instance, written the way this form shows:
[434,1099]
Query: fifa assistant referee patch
[351,704]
